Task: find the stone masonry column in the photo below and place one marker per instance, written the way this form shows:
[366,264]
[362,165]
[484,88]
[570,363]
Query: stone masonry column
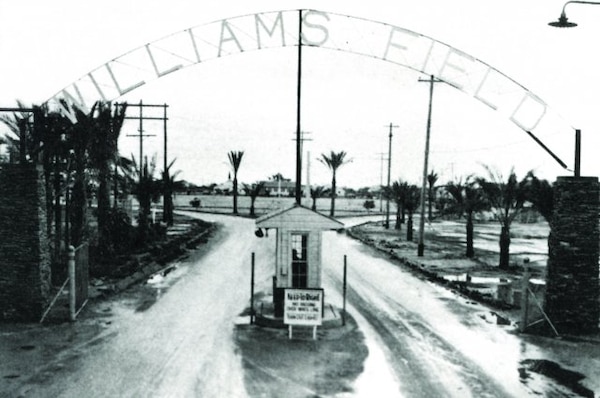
[24,252]
[572,299]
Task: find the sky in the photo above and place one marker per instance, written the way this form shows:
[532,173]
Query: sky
[247,101]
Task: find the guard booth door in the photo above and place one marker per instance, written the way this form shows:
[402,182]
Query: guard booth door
[300,260]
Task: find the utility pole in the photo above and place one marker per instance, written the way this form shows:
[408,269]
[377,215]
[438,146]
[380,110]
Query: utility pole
[298,102]
[387,206]
[381,181]
[302,139]
[165,136]
[308,175]
[421,245]
[141,134]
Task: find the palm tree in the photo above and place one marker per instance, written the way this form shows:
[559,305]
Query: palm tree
[540,193]
[412,198]
[147,190]
[397,193]
[124,169]
[253,191]
[334,161]
[81,133]
[431,180]
[316,193]
[466,199]
[235,159]
[506,199]
[168,181]
[103,152]
[50,132]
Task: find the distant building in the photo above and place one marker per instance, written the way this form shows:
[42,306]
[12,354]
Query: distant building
[226,188]
[283,187]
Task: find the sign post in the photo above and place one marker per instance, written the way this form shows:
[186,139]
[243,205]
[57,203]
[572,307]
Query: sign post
[303,307]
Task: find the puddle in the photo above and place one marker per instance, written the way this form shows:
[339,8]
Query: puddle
[156,286]
[552,370]
[475,280]
[242,320]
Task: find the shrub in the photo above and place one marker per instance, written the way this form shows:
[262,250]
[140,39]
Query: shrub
[195,202]
[369,204]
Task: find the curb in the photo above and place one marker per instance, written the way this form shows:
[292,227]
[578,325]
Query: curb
[147,270]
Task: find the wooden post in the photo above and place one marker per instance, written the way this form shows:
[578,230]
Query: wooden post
[577,153]
[71,268]
[252,292]
[387,203]
[524,300]
[344,296]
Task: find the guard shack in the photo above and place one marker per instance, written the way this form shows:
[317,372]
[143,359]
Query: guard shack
[298,249]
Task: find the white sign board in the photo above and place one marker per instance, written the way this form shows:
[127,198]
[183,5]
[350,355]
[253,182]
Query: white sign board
[303,307]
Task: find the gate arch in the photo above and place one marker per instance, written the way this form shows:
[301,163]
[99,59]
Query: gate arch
[332,31]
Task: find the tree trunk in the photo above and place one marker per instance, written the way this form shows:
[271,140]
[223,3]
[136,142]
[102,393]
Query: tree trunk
[79,206]
[168,207]
[167,199]
[504,247]
[49,194]
[57,211]
[104,244]
[144,214]
[398,224]
[470,249]
[430,202]
[333,189]
[409,228]
[314,204]
[115,187]
[252,200]
[235,183]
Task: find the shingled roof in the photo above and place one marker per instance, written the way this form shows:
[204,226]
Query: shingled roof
[298,217]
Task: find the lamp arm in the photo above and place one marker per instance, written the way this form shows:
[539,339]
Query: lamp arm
[578,2]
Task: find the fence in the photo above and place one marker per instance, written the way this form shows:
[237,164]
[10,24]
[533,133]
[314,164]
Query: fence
[532,303]
[79,275]
[78,281]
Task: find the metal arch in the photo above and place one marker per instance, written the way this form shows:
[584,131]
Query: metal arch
[332,31]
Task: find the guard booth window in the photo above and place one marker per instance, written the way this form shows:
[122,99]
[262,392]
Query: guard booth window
[299,260]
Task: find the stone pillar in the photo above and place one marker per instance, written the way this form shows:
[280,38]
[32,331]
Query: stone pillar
[24,252]
[572,299]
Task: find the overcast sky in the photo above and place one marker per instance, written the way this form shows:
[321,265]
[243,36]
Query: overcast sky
[248,101]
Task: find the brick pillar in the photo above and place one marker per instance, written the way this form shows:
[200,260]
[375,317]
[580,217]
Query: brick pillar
[572,299]
[24,251]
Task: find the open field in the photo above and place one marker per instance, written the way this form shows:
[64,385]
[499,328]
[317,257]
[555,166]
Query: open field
[263,205]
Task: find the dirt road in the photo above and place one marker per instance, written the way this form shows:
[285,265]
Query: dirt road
[173,336]
[169,338]
[436,342]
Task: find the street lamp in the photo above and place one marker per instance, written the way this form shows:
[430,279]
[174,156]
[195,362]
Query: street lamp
[563,21]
